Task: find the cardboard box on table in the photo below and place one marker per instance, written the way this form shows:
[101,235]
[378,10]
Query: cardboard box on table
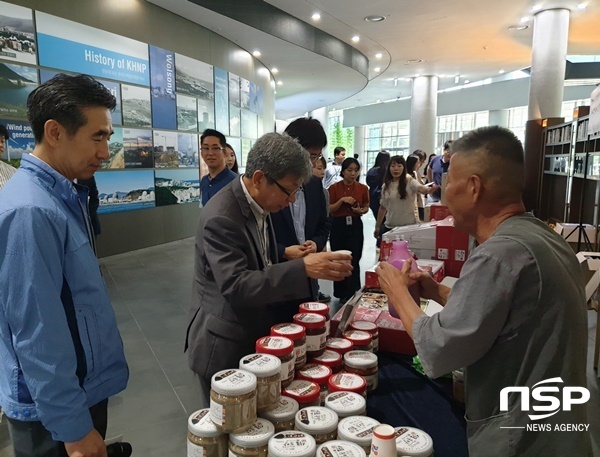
[435,212]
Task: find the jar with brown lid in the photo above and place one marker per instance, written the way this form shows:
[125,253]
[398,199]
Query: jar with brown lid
[370,327]
[363,363]
[233,400]
[283,414]
[319,308]
[361,340]
[348,382]
[319,422]
[315,332]
[339,345]
[267,369]
[204,438]
[297,334]
[318,374]
[306,393]
[283,348]
[330,359]
[253,442]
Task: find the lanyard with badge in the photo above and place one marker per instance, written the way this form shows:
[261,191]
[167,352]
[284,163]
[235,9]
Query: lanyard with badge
[351,188]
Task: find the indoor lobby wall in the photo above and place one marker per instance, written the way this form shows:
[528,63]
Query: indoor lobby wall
[148,23]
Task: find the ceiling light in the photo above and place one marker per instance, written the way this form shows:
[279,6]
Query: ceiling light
[256,53]
[274,70]
[316,17]
[395,82]
[456,79]
[582,6]
[525,19]
[518,27]
[356,38]
[413,61]
[375,18]
[467,81]
[376,69]
[280,83]
[536,8]
[501,72]
[379,55]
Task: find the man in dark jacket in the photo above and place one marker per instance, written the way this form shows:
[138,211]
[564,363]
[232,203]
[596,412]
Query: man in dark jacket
[303,227]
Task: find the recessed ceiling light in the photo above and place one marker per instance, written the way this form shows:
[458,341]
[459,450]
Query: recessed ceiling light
[375,18]
[467,81]
[582,6]
[316,17]
[256,53]
[525,19]
[501,72]
[536,8]
[413,61]
[518,27]
[376,69]
[280,83]
[379,55]
[356,38]
[456,79]
[274,70]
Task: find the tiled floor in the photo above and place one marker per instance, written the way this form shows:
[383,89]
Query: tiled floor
[150,291]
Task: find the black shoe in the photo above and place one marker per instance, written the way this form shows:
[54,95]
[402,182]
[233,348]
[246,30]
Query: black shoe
[323,298]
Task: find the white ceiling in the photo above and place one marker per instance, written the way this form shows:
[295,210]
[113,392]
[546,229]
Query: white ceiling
[470,38]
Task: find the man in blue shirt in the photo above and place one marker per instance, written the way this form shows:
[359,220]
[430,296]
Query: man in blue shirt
[61,355]
[214,154]
[437,167]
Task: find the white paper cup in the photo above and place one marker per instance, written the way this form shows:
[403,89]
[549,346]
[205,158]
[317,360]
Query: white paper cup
[343,251]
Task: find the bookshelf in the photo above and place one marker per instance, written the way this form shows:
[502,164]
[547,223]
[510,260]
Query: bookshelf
[557,139]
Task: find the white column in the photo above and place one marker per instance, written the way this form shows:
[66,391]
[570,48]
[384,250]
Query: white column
[322,116]
[498,117]
[548,63]
[423,112]
[359,143]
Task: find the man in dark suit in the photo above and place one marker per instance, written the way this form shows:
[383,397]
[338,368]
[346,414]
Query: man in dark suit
[238,282]
[303,227]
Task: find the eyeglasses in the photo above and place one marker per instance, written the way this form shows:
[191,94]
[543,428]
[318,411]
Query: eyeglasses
[213,149]
[283,189]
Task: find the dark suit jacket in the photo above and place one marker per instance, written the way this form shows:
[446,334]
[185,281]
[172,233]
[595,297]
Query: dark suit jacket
[317,224]
[236,298]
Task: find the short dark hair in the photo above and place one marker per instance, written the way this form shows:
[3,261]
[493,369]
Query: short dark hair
[422,155]
[338,150]
[448,145]
[347,162]
[216,133]
[308,132]
[3,132]
[63,99]
[494,141]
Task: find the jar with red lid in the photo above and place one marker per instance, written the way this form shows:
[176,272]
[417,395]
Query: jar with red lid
[318,308]
[315,332]
[339,345]
[363,363]
[283,348]
[370,327]
[362,340]
[306,393]
[297,334]
[348,382]
[330,359]
[318,374]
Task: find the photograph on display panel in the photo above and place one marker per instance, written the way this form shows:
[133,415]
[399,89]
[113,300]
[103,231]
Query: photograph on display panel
[165,149]
[162,85]
[136,106]
[187,149]
[221,101]
[249,124]
[206,115]
[116,151]
[194,78]
[16,83]
[244,93]
[17,34]
[234,121]
[255,99]
[137,146]
[177,186]
[125,190]
[187,113]
[20,140]
[234,90]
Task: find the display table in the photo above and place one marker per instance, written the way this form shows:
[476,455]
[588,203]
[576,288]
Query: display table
[405,397]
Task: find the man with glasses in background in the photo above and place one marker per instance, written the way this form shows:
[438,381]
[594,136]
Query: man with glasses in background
[214,154]
[240,289]
[303,227]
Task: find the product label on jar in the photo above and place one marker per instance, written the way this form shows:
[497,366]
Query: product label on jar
[317,419]
[285,408]
[372,382]
[340,449]
[201,422]
[327,327]
[339,343]
[358,337]
[289,329]
[301,388]
[217,412]
[315,342]
[314,306]
[300,353]
[260,364]
[348,381]
[375,344]
[328,357]
[314,370]
[275,342]
[411,440]
[290,443]
[364,326]
[287,369]
[236,380]
[358,427]
[310,318]
[360,359]
[193,450]
[260,431]
[346,401]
